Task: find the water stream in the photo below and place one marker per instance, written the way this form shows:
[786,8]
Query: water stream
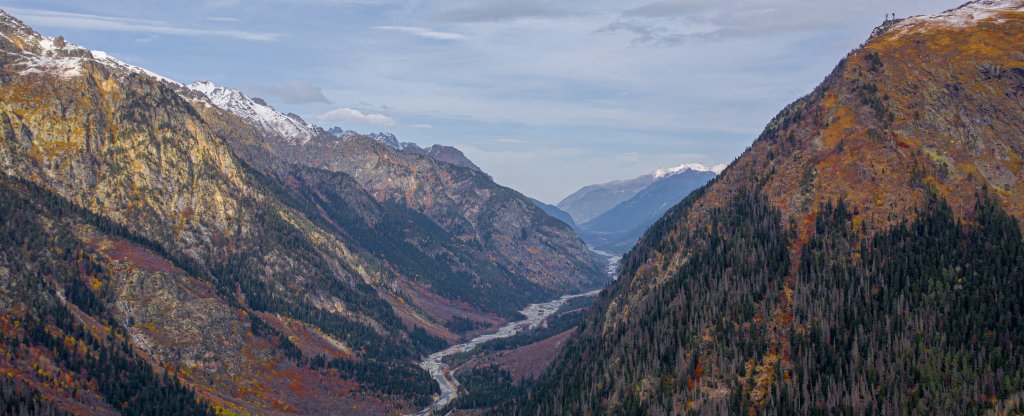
[535,314]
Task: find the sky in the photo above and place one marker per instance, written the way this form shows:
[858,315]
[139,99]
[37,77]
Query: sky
[546,96]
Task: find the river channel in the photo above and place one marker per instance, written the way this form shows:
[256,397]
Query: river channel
[535,315]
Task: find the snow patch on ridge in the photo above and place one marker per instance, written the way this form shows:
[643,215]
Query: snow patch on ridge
[106,59]
[661,173]
[289,127]
[62,67]
[967,15]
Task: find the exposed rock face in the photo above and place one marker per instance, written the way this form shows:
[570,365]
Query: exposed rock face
[837,260]
[161,244]
[438,152]
[443,153]
[170,232]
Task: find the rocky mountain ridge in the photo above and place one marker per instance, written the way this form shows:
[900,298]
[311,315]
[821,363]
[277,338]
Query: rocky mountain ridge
[447,154]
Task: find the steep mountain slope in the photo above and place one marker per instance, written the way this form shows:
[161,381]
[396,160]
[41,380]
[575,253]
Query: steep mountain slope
[864,255]
[492,223]
[160,256]
[617,230]
[167,258]
[184,203]
[593,200]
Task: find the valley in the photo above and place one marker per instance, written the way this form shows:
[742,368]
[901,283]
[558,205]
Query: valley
[173,248]
[535,315]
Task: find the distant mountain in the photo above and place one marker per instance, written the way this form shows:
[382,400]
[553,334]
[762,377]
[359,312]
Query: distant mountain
[593,200]
[447,154]
[616,230]
[611,216]
[557,213]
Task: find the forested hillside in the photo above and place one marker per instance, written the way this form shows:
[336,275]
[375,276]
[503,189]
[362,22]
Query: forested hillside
[864,256]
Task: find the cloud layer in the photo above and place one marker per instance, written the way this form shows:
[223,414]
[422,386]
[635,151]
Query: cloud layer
[292,92]
[118,24]
[352,115]
[423,32]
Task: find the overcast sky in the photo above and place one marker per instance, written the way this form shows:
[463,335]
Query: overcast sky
[546,96]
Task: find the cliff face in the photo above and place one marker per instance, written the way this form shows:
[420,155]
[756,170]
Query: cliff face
[191,259]
[867,236]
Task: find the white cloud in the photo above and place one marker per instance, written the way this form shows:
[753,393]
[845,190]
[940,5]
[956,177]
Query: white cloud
[422,126]
[223,19]
[355,116]
[504,10]
[423,32]
[293,92]
[38,17]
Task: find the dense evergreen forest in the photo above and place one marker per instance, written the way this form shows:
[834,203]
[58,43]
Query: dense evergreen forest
[19,399]
[486,387]
[927,318]
[923,318]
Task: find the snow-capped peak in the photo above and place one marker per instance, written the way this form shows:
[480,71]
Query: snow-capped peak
[697,167]
[41,54]
[291,128]
[963,16]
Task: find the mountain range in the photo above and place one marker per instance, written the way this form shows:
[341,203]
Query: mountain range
[186,249]
[863,256]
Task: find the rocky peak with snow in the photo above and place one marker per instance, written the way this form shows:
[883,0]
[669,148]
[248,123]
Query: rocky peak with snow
[42,54]
[388,139]
[696,167]
[32,53]
[31,42]
[966,15]
[289,127]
